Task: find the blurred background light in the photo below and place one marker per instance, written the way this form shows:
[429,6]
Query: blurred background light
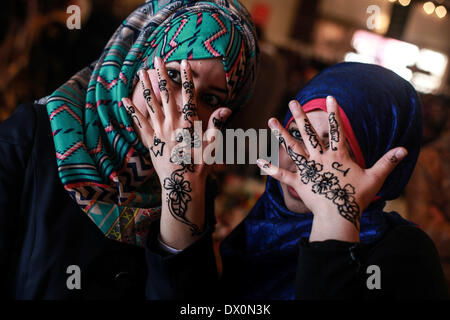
[441,12]
[404,2]
[424,68]
[425,83]
[432,62]
[428,7]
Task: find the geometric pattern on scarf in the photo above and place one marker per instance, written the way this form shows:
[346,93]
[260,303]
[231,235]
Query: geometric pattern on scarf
[101,162]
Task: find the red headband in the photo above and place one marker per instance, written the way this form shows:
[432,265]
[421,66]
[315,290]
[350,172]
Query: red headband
[350,135]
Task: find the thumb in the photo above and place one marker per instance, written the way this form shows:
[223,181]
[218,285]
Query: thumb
[218,118]
[384,166]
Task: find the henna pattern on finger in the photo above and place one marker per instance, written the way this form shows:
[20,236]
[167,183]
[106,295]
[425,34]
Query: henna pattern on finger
[133,115]
[337,166]
[334,130]
[281,139]
[326,184]
[189,110]
[394,159]
[158,147]
[147,96]
[162,85]
[267,165]
[312,136]
[218,123]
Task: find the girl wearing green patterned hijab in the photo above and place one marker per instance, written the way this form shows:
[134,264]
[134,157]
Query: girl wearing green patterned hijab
[102,162]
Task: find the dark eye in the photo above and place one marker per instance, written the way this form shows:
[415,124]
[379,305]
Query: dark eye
[174,75]
[296,134]
[211,99]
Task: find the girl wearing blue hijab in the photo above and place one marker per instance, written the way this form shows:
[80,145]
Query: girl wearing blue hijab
[352,138]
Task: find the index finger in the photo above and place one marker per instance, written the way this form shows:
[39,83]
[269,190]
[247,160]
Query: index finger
[153,108]
[189,109]
[312,141]
[336,131]
[166,91]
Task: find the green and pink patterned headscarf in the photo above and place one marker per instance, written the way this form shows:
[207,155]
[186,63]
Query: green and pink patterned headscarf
[101,162]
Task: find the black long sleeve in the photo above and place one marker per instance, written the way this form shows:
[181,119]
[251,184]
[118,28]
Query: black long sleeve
[16,140]
[189,274]
[407,259]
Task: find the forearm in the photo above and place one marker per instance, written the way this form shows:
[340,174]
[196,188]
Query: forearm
[183,218]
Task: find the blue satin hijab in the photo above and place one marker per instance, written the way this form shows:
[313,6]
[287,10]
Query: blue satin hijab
[384,111]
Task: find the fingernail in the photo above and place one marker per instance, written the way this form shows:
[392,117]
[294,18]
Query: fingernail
[140,73]
[293,104]
[401,153]
[157,62]
[329,99]
[225,112]
[272,123]
[260,163]
[184,63]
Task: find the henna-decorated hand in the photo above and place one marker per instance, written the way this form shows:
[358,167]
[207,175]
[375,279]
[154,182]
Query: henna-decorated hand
[169,133]
[173,139]
[329,181]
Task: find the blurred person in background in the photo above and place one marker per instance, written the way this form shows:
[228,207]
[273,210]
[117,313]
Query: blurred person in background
[428,192]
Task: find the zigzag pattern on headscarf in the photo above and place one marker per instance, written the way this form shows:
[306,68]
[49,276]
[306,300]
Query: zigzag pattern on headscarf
[101,162]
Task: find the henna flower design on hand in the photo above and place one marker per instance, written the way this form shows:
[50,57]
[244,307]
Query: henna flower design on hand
[309,171]
[341,195]
[178,188]
[325,183]
[347,206]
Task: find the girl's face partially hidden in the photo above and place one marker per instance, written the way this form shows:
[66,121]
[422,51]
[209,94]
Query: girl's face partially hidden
[319,121]
[209,81]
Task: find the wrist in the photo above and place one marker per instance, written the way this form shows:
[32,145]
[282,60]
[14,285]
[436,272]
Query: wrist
[333,226]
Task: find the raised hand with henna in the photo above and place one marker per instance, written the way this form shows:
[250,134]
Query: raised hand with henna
[174,142]
[329,182]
